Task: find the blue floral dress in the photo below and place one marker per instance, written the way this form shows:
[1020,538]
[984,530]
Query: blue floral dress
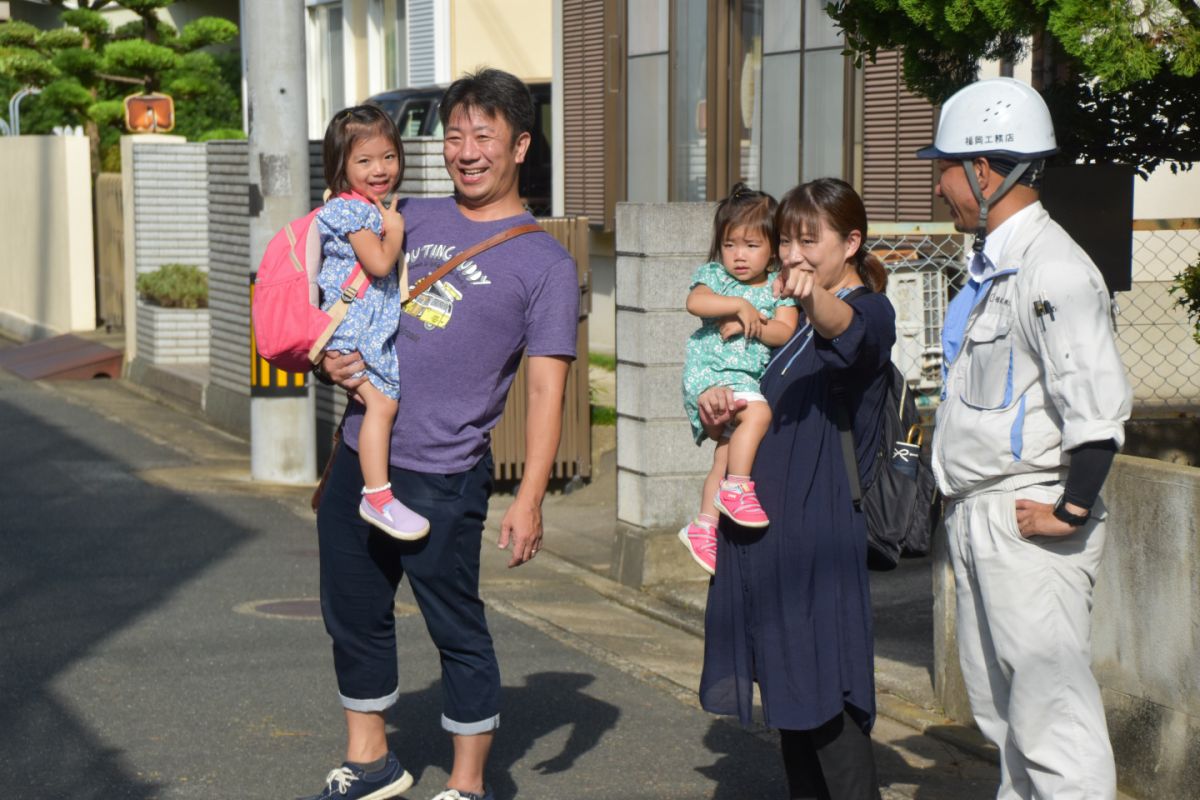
[372,320]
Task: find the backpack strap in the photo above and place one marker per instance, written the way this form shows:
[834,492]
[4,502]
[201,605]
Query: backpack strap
[842,419]
[337,311]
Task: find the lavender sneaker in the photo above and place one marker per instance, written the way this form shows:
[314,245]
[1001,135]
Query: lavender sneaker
[352,783]
[396,520]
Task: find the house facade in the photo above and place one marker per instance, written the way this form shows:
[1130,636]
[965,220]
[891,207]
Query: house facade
[358,48]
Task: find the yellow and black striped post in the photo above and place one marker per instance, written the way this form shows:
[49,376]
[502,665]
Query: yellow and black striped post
[267,380]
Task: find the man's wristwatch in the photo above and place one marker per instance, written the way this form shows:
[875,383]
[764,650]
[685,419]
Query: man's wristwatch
[1061,513]
[321,375]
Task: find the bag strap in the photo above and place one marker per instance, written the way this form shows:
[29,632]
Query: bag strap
[337,312]
[471,252]
[847,437]
[845,432]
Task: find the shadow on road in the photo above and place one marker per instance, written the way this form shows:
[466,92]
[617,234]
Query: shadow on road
[546,702]
[86,548]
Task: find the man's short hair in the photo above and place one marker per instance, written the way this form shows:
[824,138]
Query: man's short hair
[1032,177]
[495,93]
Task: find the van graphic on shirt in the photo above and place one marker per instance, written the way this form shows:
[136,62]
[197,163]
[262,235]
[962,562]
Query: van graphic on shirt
[435,305]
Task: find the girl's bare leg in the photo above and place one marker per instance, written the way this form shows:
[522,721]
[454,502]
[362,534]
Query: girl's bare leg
[375,436]
[712,482]
[752,424]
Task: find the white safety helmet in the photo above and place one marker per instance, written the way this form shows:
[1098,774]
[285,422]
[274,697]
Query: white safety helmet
[995,118]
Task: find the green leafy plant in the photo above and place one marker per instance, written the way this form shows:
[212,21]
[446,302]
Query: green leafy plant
[1121,79]
[175,286]
[603,361]
[86,68]
[1187,286]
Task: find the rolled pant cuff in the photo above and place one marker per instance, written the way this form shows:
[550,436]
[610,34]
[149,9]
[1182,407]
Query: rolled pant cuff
[470,728]
[370,704]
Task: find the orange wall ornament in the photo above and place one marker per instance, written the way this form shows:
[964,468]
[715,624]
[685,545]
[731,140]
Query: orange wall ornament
[149,113]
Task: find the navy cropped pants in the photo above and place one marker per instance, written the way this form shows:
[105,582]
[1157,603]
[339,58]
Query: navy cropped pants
[361,567]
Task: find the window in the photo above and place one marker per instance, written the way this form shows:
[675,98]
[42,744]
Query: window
[395,43]
[647,131]
[327,86]
[689,105]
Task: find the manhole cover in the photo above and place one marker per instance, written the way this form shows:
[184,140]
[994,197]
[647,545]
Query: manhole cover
[301,608]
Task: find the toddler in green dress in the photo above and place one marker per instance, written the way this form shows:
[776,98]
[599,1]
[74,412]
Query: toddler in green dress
[741,320]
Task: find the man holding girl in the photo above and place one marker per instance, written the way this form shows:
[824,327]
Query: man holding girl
[454,380]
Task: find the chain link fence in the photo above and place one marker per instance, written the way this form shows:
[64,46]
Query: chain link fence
[927,263]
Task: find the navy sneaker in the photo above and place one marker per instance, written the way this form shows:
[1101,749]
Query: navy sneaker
[352,783]
[455,794]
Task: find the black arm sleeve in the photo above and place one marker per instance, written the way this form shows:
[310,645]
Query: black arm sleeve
[1089,467]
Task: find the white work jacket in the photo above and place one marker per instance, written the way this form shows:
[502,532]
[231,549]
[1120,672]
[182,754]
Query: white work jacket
[1038,372]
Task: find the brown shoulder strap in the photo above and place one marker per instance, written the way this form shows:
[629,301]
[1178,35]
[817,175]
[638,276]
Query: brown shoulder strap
[337,312]
[471,252]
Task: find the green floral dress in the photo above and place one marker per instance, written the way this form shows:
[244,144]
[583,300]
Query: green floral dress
[737,363]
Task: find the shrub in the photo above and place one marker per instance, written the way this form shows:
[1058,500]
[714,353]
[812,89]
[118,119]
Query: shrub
[175,286]
[221,134]
[1187,285]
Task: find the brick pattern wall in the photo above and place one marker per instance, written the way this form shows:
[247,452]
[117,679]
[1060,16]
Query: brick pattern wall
[230,265]
[424,169]
[172,335]
[170,205]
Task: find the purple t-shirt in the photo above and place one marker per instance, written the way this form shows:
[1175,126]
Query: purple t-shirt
[460,342]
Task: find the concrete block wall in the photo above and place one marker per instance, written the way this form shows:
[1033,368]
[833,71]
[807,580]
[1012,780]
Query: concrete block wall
[172,335]
[424,169]
[164,186]
[230,267]
[170,205]
[1145,628]
[659,468]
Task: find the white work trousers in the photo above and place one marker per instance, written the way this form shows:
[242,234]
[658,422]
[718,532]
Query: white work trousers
[1024,641]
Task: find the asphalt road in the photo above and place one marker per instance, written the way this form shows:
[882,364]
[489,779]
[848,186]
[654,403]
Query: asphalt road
[160,638]
[138,659]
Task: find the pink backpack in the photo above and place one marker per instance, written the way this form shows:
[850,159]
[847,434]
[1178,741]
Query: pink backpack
[290,329]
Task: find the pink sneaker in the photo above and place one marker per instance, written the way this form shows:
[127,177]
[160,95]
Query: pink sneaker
[739,502]
[701,542]
[396,520]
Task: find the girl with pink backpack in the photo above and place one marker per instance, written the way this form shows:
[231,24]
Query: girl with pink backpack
[364,163]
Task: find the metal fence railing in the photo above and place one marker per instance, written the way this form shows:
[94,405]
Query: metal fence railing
[927,264]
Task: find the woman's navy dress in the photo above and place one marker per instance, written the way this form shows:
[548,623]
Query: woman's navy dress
[790,605]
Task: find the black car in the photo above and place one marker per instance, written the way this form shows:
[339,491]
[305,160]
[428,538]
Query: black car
[416,114]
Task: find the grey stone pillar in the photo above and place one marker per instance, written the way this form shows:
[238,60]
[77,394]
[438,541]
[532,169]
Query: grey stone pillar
[659,468]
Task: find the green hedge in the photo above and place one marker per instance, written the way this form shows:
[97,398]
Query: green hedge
[175,286]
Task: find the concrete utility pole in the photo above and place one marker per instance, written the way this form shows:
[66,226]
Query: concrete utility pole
[282,422]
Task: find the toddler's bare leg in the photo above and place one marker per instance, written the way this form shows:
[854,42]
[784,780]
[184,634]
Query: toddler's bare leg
[752,424]
[712,482]
[375,436]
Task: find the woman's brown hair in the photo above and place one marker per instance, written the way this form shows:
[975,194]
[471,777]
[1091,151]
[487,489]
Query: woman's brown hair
[349,127]
[834,202]
[745,207]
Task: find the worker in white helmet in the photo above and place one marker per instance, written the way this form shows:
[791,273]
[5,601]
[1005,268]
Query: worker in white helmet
[1033,409]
